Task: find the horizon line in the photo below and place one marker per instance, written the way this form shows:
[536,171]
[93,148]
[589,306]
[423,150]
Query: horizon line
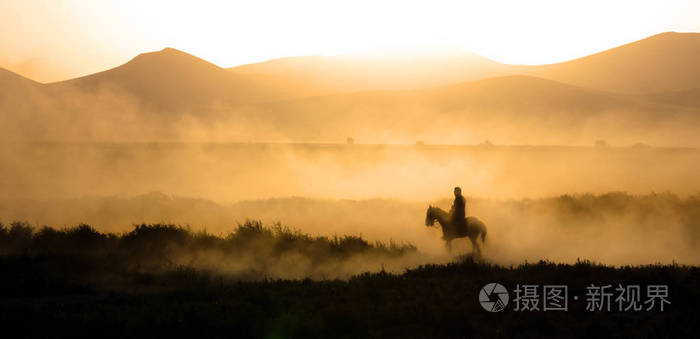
[357,53]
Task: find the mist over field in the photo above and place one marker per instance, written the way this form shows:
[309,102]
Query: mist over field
[562,162]
[228,173]
[564,228]
[537,203]
[554,203]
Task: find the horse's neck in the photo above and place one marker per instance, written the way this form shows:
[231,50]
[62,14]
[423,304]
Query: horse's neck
[441,216]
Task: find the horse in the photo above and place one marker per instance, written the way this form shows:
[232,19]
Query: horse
[474,229]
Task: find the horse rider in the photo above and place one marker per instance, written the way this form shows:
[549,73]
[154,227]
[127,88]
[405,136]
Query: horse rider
[458,211]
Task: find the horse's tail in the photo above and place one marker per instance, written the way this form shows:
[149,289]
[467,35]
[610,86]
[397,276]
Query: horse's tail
[483,235]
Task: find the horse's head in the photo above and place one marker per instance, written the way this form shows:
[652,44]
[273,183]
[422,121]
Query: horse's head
[429,217]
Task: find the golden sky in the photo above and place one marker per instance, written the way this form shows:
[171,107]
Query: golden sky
[50,40]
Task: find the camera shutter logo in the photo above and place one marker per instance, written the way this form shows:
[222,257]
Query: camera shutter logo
[493,297]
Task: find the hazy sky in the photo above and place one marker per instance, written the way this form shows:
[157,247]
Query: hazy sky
[50,40]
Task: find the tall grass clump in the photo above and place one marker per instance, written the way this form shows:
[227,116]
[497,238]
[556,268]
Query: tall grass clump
[251,251]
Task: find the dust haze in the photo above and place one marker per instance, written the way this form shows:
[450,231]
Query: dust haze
[538,202]
[553,203]
[230,172]
[561,161]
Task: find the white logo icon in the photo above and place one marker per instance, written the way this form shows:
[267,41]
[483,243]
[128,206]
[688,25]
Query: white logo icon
[493,297]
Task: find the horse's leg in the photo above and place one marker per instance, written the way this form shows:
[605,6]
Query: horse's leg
[448,244]
[476,249]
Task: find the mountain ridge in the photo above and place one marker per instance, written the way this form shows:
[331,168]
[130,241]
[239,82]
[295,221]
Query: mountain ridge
[659,63]
[663,62]
[170,94]
[170,79]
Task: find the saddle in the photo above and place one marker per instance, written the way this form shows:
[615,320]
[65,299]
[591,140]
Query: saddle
[459,229]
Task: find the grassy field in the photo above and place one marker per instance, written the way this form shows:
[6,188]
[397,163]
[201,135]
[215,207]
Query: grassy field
[80,282]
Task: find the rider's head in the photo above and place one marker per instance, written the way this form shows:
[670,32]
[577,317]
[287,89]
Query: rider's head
[458,191]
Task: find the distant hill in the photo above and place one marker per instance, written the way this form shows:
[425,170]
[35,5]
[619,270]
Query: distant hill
[329,74]
[9,78]
[511,109]
[645,91]
[527,95]
[22,102]
[689,99]
[664,62]
[154,96]
[173,80]
[15,87]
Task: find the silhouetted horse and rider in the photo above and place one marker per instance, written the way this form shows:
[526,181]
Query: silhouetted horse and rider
[455,224]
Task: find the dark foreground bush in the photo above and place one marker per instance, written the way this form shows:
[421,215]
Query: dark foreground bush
[165,280]
[251,251]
